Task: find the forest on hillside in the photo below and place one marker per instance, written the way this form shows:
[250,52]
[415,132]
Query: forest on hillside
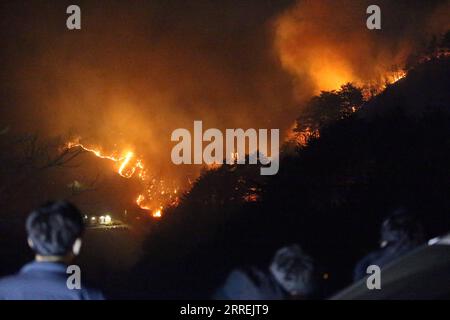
[362,159]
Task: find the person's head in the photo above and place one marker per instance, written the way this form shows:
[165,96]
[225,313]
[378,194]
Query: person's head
[294,270]
[401,227]
[54,231]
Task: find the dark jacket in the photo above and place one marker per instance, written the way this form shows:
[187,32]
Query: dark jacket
[250,284]
[382,257]
[43,281]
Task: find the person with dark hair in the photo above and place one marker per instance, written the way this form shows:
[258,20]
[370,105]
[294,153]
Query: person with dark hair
[401,232]
[54,234]
[291,275]
[295,271]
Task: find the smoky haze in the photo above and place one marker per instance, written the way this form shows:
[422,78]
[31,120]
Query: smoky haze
[137,70]
[324,44]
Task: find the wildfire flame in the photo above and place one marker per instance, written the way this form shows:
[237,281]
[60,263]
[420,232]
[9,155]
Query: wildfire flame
[157,214]
[392,77]
[156,194]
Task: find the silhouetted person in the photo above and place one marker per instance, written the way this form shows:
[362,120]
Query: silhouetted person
[400,233]
[291,275]
[54,233]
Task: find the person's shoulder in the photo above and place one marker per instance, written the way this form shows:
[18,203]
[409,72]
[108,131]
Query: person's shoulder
[90,293]
[247,283]
[9,286]
[247,274]
[10,280]
[25,286]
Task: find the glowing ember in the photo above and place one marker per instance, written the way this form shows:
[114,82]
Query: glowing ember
[157,214]
[253,197]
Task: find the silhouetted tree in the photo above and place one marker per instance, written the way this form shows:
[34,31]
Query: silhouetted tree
[329,107]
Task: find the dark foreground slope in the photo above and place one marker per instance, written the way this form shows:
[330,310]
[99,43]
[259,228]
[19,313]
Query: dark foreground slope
[329,196]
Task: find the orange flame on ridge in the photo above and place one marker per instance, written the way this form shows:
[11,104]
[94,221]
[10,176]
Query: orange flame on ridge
[128,164]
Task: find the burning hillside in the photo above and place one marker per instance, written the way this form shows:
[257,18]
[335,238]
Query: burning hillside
[155,196]
[326,43]
[136,72]
[322,50]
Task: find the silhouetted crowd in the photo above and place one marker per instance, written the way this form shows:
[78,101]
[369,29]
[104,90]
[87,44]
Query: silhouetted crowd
[55,232]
